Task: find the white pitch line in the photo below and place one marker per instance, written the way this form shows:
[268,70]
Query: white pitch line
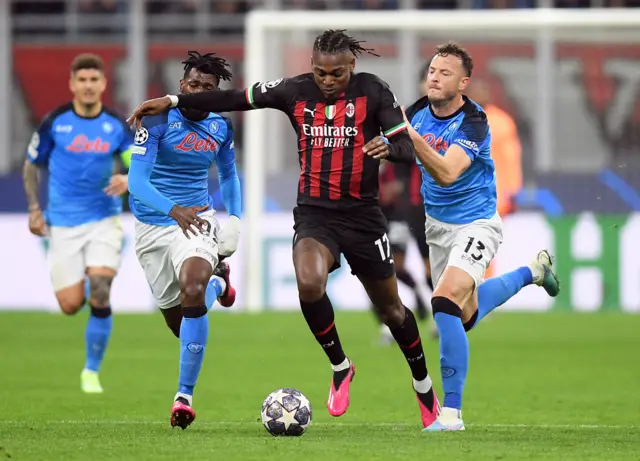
[125,422]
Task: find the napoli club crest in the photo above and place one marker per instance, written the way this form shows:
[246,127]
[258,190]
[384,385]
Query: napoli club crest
[214,127]
[350,110]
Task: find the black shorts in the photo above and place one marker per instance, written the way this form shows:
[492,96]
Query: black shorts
[403,226]
[360,234]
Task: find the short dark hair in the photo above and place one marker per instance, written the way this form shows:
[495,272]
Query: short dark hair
[207,63]
[87,61]
[334,41]
[454,49]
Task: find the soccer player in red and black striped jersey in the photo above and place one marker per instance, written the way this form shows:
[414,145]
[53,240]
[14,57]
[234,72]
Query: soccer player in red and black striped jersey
[339,117]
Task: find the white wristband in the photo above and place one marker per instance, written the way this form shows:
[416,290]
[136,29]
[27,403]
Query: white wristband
[174,99]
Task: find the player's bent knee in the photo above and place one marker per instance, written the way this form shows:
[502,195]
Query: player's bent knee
[312,282]
[71,299]
[100,286]
[456,285]
[311,287]
[192,293]
[70,306]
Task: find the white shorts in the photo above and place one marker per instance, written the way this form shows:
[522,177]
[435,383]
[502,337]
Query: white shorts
[161,251]
[73,249]
[470,247]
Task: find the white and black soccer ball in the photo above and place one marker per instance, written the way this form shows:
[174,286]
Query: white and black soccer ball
[286,412]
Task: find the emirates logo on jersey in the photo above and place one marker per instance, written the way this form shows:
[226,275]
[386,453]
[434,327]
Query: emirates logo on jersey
[82,144]
[191,143]
[330,136]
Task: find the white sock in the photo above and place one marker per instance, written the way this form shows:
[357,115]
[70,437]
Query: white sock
[343,366]
[187,397]
[423,386]
[222,283]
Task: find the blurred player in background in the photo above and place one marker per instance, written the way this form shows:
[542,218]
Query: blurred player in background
[178,240]
[338,117]
[401,203]
[463,229]
[506,150]
[77,143]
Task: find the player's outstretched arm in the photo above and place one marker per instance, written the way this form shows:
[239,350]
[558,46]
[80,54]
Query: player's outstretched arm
[259,96]
[446,169]
[231,195]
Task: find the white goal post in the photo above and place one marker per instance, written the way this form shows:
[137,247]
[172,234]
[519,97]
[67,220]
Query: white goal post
[541,24]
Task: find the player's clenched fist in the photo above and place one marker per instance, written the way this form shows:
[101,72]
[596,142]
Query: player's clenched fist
[37,225]
[229,237]
[188,219]
[377,148]
[150,107]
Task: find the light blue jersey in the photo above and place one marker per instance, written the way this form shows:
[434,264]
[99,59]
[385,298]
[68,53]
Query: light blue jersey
[79,154]
[170,165]
[473,195]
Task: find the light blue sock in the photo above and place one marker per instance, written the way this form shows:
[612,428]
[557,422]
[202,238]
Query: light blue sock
[194,333]
[97,336]
[454,356]
[498,290]
[214,289]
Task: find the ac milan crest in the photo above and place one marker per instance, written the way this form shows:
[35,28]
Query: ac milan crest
[350,110]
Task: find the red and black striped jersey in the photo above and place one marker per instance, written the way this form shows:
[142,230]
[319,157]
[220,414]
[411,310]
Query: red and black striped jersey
[334,171]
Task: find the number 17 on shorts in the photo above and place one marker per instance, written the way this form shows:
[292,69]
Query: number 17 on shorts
[384,246]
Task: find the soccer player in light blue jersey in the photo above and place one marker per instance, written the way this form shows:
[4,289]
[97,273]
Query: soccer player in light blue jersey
[77,143]
[178,239]
[451,137]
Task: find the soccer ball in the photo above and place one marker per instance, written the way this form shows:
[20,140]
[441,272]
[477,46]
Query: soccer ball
[286,412]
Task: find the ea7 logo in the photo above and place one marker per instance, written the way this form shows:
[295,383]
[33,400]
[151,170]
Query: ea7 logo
[466,143]
[175,125]
[63,128]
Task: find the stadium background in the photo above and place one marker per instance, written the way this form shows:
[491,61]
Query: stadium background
[581,179]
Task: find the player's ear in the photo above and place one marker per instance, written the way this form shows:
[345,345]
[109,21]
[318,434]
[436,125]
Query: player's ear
[464,83]
[181,85]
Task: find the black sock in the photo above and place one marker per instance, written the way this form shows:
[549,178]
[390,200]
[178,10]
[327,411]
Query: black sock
[406,278]
[408,338]
[472,321]
[321,321]
[430,283]
[100,312]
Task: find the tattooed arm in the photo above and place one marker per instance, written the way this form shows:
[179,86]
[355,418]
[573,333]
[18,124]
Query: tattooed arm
[38,152]
[31,178]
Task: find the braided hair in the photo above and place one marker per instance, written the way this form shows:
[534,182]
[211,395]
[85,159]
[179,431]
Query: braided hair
[335,41]
[207,63]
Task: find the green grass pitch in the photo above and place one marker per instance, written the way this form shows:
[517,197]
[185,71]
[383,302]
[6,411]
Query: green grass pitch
[540,386]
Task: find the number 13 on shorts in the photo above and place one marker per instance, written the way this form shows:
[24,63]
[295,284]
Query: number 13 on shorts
[385,248]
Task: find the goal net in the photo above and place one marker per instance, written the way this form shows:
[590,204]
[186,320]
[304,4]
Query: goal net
[569,79]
